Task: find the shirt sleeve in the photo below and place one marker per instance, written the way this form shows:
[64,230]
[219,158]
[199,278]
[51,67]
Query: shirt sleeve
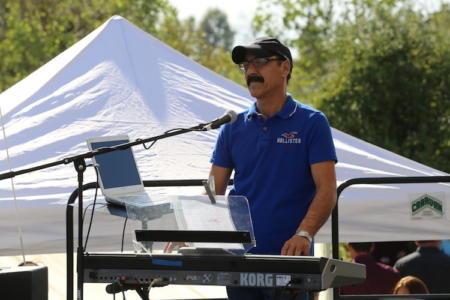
[320,142]
[221,155]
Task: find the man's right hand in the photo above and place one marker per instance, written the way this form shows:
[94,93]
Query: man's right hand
[170,246]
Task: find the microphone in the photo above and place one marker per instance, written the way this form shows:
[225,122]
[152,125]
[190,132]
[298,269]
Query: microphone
[116,287]
[119,285]
[229,117]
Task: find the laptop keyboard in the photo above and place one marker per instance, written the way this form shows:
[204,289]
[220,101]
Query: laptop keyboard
[135,199]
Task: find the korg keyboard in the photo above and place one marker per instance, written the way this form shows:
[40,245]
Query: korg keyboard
[303,273]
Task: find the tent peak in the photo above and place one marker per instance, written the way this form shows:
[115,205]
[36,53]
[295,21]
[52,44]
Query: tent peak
[116,18]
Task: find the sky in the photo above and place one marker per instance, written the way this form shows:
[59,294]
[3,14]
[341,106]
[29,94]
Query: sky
[240,12]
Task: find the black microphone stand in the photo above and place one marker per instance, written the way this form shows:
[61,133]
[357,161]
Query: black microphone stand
[80,166]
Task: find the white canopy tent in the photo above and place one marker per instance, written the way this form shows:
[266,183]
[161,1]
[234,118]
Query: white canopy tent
[121,80]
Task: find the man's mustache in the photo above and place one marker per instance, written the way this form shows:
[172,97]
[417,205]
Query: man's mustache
[254,78]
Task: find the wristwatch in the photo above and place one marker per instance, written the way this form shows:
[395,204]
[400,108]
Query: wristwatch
[304,234]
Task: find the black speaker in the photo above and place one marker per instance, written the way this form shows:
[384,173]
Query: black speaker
[24,283]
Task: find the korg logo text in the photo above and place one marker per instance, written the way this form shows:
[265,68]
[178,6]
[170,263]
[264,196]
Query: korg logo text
[256,279]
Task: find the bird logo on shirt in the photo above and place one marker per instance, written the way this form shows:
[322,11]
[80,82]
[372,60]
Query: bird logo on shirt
[289,135]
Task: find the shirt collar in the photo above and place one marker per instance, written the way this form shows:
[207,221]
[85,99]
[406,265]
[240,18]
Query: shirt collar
[252,111]
[288,109]
[286,112]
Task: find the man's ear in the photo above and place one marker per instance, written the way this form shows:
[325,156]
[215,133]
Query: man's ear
[286,67]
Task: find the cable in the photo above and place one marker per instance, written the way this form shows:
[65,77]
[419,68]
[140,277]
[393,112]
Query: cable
[143,144]
[169,131]
[153,283]
[19,226]
[158,282]
[89,205]
[93,208]
[123,232]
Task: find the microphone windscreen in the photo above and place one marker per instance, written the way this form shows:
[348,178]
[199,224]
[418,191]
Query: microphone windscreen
[233,115]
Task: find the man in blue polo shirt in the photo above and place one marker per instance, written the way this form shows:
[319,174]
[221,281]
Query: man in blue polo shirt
[283,157]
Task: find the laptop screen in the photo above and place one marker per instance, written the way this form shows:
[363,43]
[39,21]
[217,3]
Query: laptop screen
[117,168]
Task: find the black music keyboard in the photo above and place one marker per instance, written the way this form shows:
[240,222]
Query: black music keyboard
[294,272]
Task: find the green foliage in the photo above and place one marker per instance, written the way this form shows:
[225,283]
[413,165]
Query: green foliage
[391,84]
[216,29]
[33,32]
[380,71]
[343,253]
[305,26]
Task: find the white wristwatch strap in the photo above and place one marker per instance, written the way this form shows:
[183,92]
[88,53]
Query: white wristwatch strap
[304,234]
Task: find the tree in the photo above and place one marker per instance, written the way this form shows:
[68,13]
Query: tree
[188,38]
[306,26]
[216,29]
[391,86]
[382,74]
[33,32]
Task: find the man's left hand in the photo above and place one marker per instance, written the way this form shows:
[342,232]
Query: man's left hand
[296,245]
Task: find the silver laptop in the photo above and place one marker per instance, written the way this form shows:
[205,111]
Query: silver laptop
[119,177]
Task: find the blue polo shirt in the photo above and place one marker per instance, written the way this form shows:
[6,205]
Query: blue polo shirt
[271,159]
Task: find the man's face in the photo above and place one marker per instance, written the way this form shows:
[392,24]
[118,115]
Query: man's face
[265,76]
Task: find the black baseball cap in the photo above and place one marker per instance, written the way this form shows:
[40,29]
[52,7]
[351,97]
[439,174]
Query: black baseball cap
[261,47]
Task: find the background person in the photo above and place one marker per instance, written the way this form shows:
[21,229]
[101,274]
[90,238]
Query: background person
[28,263]
[410,285]
[389,252]
[430,264]
[380,278]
